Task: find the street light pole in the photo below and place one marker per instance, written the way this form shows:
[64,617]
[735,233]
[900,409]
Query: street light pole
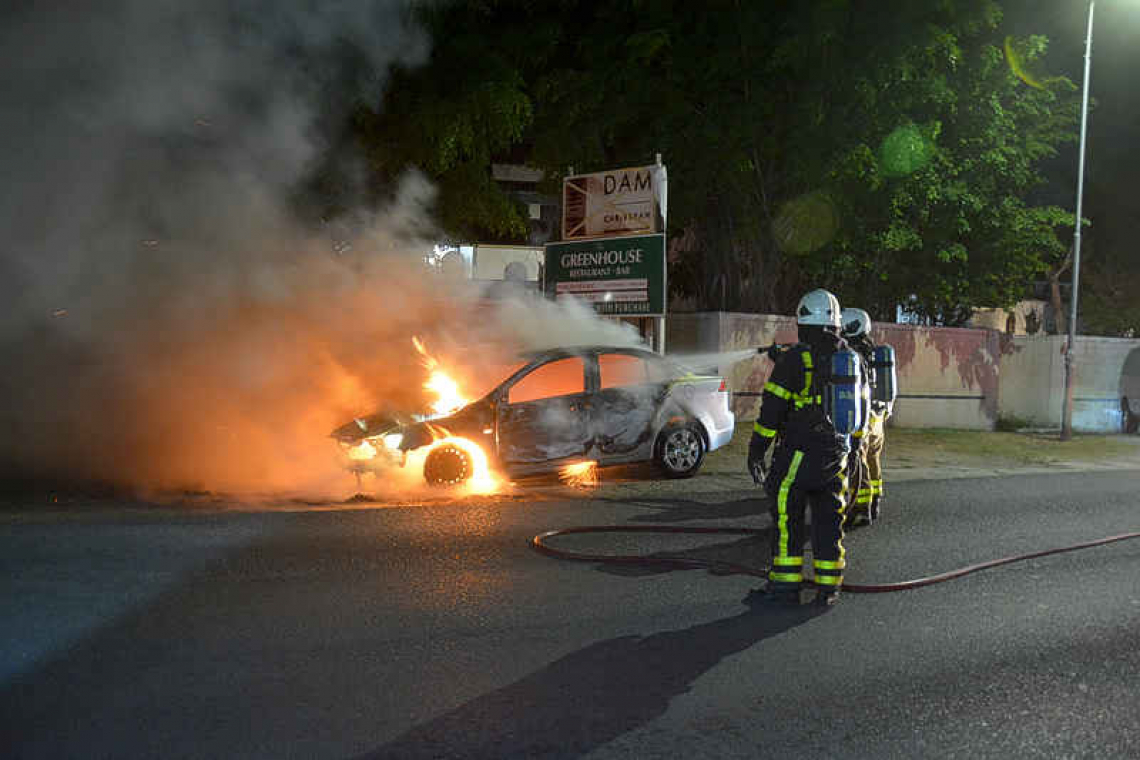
[1067,416]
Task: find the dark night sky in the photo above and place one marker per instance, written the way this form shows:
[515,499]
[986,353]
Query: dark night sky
[1112,199]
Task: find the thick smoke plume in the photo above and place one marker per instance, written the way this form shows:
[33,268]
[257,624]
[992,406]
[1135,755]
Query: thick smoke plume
[168,321]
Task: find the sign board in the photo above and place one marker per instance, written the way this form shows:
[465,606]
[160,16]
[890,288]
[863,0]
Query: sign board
[507,262]
[618,202]
[622,276]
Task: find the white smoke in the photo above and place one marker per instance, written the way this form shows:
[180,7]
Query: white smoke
[539,324]
[168,321]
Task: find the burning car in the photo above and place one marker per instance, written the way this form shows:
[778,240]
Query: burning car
[601,404]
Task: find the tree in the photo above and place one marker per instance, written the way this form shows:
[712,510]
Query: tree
[1110,284]
[882,148]
[451,117]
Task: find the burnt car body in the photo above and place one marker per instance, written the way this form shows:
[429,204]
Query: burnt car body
[604,404]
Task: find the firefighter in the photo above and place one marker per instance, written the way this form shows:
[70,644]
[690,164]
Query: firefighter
[869,492]
[809,462]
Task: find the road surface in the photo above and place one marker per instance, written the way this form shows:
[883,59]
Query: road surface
[434,631]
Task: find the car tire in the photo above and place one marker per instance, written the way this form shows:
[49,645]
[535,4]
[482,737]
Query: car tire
[447,466]
[680,450]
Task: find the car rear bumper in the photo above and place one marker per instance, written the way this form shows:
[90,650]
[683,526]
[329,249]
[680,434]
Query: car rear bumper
[722,436]
[719,422]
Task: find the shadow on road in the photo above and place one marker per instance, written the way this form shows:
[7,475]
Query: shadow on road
[592,696]
[753,551]
[670,510]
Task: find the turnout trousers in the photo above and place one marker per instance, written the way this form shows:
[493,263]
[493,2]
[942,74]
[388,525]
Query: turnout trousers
[872,453]
[796,481]
[858,482]
[866,472]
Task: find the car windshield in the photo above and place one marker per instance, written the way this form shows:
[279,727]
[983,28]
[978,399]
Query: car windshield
[484,378]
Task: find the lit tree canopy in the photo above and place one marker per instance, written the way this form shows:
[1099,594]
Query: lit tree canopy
[886,149]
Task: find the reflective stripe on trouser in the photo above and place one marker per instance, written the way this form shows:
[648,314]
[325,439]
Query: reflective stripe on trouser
[828,505]
[859,493]
[873,452]
[789,502]
[788,537]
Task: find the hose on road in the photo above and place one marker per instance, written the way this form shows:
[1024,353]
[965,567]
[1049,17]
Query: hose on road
[540,544]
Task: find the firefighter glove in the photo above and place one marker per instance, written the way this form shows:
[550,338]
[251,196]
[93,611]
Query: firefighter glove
[757,448]
[775,351]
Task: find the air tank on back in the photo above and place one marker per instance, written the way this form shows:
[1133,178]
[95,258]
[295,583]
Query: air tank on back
[886,386]
[843,395]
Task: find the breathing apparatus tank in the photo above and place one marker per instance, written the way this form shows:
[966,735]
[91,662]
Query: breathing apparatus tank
[886,386]
[843,397]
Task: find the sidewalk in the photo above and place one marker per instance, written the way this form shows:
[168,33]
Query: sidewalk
[935,454]
[910,454]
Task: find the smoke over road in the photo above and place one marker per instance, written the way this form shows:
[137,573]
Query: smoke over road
[168,322]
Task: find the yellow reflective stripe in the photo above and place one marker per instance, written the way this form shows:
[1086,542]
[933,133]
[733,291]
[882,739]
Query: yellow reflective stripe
[777,390]
[857,434]
[842,497]
[829,580]
[761,430]
[806,393]
[782,503]
[827,564]
[788,561]
[786,577]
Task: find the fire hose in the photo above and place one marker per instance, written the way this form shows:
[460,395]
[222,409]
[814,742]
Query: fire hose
[731,568]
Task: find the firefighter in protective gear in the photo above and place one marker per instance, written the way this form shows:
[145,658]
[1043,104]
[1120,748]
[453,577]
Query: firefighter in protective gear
[809,462]
[867,487]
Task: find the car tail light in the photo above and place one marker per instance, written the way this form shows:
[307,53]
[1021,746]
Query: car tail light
[723,386]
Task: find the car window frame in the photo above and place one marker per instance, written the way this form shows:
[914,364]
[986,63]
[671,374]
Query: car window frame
[504,392]
[652,361]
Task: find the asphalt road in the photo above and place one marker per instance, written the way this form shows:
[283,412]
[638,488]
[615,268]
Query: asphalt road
[434,631]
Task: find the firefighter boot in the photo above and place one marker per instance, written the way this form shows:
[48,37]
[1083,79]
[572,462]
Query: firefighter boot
[827,597]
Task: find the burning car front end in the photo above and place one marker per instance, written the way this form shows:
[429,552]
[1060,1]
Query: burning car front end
[372,443]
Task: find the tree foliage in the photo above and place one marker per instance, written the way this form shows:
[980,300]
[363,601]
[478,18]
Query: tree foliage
[885,149]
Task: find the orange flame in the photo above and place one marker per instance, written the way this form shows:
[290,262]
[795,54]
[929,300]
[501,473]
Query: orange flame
[362,452]
[580,474]
[448,396]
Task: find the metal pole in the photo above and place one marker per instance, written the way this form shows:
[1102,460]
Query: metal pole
[1067,417]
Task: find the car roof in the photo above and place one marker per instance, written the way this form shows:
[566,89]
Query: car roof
[587,349]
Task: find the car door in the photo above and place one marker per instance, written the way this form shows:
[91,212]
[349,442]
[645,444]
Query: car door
[542,414]
[630,388]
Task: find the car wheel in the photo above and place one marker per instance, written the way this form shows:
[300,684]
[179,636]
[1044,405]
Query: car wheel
[680,450]
[447,466]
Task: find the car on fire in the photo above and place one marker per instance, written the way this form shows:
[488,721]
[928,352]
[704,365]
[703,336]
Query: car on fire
[605,404]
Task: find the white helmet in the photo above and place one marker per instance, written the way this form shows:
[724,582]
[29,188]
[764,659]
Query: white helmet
[856,323]
[818,307]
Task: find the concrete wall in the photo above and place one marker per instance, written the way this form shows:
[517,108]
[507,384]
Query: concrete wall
[1105,369]
[947,377]
[1032,377]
